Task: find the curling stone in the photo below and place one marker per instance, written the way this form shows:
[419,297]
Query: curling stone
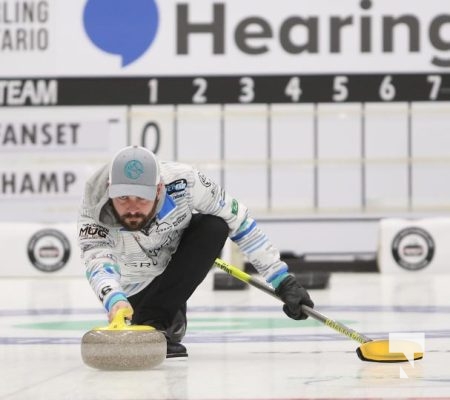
[119,346]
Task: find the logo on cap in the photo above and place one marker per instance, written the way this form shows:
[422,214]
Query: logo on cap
[133,169]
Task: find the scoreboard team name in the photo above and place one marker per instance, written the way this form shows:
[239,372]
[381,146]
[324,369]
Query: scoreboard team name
[38,134]
[18,92]
[27,183]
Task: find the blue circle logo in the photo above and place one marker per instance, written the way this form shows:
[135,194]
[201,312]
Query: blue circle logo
[121,27]
[133,169]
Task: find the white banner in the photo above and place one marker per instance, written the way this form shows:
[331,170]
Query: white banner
[154,37]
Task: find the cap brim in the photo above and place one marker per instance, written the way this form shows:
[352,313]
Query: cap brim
[145,192]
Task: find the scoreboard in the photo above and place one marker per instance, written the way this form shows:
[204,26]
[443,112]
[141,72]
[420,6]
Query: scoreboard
[285,143]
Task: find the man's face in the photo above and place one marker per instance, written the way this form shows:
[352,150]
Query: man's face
[134,212]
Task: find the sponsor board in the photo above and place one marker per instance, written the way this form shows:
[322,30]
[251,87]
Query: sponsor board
[165,37]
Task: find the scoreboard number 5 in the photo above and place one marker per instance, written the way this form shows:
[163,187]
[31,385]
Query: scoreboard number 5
[340,90]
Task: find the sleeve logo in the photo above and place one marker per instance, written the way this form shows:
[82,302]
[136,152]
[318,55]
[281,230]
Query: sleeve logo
[92,231]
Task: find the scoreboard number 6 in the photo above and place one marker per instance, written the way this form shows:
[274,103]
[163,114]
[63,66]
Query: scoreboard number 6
[387,89]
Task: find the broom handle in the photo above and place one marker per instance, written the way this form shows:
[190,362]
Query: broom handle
[337,326]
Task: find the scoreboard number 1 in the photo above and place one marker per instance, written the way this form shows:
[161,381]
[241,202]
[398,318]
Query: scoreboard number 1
[153,91]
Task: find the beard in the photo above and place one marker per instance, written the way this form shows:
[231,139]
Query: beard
[134,222]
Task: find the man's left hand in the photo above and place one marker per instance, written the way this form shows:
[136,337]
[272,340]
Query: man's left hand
[293,295]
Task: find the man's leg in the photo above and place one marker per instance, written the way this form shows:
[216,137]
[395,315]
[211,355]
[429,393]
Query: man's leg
[159,303]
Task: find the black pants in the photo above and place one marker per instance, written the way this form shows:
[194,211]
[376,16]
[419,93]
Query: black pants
[200,245]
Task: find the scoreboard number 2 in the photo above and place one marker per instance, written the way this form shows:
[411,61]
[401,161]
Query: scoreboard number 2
[199,96]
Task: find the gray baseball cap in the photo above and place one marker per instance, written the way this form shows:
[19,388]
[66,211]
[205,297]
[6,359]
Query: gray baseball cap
[134,171]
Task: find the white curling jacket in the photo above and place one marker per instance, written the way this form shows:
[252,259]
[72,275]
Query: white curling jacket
[121,263]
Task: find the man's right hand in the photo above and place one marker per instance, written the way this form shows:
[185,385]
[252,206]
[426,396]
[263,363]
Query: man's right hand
[119,305]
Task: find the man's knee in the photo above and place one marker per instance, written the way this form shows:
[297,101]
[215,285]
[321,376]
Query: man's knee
[217,226]
[215,229]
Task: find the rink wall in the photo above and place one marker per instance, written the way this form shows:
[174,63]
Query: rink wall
[405,246]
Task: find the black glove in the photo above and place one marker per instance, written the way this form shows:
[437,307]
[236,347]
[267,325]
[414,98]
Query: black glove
[293,295]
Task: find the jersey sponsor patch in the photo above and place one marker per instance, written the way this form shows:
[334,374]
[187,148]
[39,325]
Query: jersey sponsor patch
[176,186]
[234,207]
[93,231]
[163,227]
[179,220]
[204,179]
[141,264]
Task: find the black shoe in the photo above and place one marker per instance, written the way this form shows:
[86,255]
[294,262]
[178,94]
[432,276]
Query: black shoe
[175,349]
[177,329]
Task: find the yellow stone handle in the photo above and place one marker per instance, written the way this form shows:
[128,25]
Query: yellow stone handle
[119,322]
